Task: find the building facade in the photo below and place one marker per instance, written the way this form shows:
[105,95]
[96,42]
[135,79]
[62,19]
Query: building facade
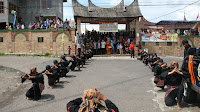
[37,41]
[30,10]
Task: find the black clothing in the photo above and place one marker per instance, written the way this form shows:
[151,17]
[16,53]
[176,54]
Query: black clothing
[174,79]
[63,68]
[38,78]
[51,78]
[186,51]
[73,106]
[132,53]
[170,100]
[34,91]
[73,65]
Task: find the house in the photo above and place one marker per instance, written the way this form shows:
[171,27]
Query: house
[30,10]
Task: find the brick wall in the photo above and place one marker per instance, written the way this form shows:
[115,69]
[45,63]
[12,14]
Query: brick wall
[26,41]
[162,49]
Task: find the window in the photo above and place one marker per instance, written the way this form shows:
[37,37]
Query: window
[143,43]
[40,39]
[169,43]
[38,4]
[45,4]
[1,39]
[49,4]
[1,7]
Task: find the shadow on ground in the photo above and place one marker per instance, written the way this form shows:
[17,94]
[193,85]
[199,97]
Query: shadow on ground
[46,97]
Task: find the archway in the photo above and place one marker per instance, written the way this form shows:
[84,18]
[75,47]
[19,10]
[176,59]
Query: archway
[59,44]
[189,41]
[20,43]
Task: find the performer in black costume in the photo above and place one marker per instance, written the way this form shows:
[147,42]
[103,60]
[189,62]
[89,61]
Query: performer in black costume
[174,87]
[38,84]
[64,69]
[91,102]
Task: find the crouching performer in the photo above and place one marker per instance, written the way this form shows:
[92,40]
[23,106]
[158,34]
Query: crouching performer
[91,102]
[51,73]
[38,84]
[174,87]
[64,69]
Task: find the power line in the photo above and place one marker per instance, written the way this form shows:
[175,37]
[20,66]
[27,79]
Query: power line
[175,10]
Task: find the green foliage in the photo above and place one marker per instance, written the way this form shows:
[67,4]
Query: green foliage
[2,54]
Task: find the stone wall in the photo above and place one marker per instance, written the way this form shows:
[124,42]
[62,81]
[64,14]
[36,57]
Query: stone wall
[26,41]
[177,49]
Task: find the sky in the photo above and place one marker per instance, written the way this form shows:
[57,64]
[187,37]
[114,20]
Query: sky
[152,10]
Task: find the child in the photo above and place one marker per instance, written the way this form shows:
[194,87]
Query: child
[69,50]
[121,48]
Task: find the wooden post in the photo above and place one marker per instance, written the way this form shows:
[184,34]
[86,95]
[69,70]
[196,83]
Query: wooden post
[79,25]
[137,33]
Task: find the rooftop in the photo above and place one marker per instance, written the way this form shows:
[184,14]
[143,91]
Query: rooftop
[118,11]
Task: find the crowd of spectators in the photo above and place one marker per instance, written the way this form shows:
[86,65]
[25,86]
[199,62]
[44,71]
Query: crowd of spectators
[42,24]
[106,43]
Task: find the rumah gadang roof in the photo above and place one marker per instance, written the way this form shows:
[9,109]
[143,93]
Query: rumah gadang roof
[119,11]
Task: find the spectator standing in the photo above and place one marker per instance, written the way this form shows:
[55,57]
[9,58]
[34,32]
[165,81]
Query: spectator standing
[79,49]
[112,45]
[121,48]
[69,50]
[99,47]
[95,47]
[132,49]
[118,48]
[103,47]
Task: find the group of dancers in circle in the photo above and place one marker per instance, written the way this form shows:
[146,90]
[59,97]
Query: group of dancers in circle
[166,75]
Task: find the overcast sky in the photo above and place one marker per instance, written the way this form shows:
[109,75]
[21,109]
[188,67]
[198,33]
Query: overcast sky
[150,9]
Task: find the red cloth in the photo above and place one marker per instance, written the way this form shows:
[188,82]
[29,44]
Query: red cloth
[131,46]
[169,90]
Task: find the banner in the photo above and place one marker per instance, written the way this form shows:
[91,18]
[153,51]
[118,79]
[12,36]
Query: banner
[108,26]
[158,37]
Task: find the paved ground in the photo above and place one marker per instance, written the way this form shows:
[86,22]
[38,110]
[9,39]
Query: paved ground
[126,82]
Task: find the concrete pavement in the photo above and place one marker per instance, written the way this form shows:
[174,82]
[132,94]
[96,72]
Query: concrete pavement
[126,82]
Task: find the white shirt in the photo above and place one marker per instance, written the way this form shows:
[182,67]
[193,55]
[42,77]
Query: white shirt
[95,45]
[103,44]
[78,46]
[22,26]
[99,45]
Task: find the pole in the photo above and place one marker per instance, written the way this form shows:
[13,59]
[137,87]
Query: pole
[63,48]
[63,42]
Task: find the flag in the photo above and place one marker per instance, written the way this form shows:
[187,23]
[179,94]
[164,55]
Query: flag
[63,38]
[197,17]
[15,17]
